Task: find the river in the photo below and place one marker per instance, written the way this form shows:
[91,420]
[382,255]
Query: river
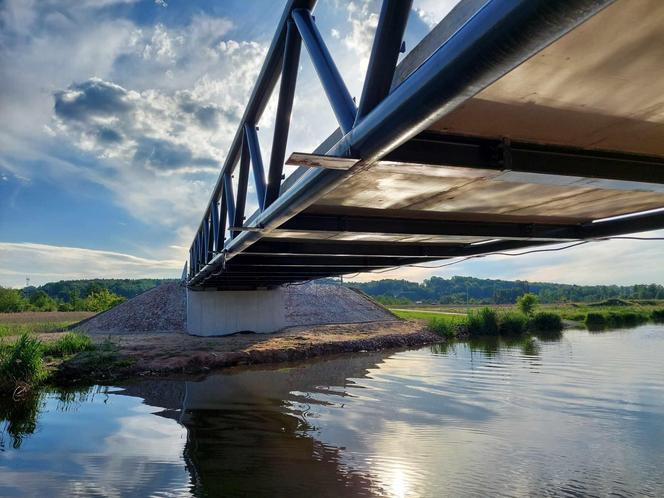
[581,414]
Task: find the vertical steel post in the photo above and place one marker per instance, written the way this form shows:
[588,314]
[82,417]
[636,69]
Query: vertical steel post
[221,228]
[384,54]
[243,180]
[194,254]
[199,244]
[289,68]
[205,230]
[251,137]
[230,201]
[335,89]
[210,235]
[214,241]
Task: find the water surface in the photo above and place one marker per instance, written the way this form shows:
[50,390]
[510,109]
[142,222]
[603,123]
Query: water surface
[577,415]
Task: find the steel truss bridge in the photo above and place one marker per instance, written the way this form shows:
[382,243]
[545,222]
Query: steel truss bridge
[514,123]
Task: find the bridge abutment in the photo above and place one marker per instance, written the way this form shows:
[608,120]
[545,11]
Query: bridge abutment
[212,312]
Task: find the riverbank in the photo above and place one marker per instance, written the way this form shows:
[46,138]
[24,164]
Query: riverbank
[112,357]
[170,353]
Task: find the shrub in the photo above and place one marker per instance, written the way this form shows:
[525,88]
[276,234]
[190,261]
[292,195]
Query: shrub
[40,301]
[21,364]
[11,301]
[595,321]
[442,327]
[632,318]
[601,319]
[102,300]
[527,303]
[511,323]
[70,343]
[657,316]
[546,321]
[483,322]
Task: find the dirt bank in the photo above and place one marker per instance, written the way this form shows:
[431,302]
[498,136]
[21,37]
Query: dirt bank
[167,353]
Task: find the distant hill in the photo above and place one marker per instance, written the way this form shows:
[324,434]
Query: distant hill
[65,289]
[459,290]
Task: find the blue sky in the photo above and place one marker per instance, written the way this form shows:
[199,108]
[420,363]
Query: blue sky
[116,116]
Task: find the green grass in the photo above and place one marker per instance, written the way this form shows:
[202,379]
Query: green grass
[483,322]
[28,362]
[9,329]
[546,321]
[426,315]
[598,320]
[68,344]
[21,365]
[444,327]
[605,314]
[512,323]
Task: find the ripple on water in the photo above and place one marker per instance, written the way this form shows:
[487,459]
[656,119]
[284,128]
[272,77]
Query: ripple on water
[582,416]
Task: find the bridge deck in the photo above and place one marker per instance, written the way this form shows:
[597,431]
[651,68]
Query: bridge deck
[558,141]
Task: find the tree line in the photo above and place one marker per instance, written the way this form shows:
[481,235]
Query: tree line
[101,294]
[74,295]
[462,290]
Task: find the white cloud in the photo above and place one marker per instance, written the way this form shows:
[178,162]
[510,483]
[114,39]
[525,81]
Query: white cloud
[363,20]
[47,263]
[152,108]
[148,130]
[433,11]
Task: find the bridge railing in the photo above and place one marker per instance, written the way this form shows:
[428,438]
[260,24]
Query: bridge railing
[226,209]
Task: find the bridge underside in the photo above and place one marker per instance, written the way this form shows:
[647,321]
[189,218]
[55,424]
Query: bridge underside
[559,148]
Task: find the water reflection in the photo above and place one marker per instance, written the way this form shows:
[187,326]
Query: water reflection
[573,415]
[255,430]
[89,442]
[19,419]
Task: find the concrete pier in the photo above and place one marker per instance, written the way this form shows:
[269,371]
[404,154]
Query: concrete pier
[212,312]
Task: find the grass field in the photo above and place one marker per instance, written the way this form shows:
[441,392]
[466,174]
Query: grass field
[12,324]
[506,319]
[574,311]
[428,315]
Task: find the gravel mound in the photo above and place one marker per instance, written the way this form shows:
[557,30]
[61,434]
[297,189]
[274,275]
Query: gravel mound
[321,304]
[164,309]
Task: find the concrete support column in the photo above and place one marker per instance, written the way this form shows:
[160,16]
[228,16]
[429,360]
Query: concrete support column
[212,312]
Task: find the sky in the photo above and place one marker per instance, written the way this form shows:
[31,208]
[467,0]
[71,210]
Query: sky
[116,115]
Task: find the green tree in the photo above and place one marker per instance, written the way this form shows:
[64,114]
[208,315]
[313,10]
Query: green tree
[41,301]
[102,300]
[527,303]
[11,301]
